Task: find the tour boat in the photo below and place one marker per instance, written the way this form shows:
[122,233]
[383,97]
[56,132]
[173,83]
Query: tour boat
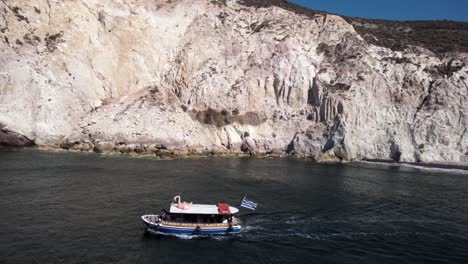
[194,219]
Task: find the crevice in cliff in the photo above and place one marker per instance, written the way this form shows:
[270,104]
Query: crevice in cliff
[102,18]
[290,149]
[425,100]
[5,28]
[445,70]
[278,87]
[314,95]
[462,136]
[258,26]
[395,152]
[338,86]
[329,109]
[332,139]
[49,10]
[335,144]
[320,96]
[417,148]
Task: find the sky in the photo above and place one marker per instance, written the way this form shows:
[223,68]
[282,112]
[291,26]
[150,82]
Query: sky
[393,9]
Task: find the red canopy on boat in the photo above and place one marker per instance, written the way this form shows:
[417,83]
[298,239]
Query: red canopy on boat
[223,208]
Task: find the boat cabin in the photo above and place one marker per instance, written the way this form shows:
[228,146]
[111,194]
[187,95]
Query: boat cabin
[202,214]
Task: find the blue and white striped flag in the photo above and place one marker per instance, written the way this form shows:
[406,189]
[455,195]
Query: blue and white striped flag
[248,204]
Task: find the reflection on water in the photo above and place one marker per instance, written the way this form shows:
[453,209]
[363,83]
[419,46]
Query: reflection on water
[86,208]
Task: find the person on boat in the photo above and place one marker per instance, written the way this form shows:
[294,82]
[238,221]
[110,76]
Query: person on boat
[164,216]
[167,217]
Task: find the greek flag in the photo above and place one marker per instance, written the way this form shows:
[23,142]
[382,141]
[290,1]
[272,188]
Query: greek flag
[248,204]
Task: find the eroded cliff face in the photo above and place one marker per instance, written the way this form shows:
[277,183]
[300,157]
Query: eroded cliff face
[183,77]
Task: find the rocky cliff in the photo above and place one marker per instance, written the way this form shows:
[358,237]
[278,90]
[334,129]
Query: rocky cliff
[197,76]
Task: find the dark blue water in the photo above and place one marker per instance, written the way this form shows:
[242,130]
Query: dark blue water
[85,208]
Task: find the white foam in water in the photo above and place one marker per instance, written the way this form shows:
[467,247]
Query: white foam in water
[269,236]
[251,228]
[174,235]
[419,167]
[188,237]
[291,220]
[310,236]
[295,220]
[261,234]
[221,237]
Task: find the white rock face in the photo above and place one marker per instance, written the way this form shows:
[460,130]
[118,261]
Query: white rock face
[193,76]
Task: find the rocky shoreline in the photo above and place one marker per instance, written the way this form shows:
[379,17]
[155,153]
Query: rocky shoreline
[459,166]
[175,155]
[12,139]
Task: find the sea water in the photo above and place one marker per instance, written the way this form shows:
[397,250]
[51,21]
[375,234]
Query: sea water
[85,208]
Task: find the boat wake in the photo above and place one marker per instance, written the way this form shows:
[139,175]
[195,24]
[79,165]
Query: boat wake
[190,237]
[271,236]
[316,228]
[181,236]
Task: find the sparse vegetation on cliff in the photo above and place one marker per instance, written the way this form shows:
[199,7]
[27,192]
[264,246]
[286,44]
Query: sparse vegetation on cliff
[437,36]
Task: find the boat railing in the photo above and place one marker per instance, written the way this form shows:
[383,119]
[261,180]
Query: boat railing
[152,218]
[156,219]
[171,223]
